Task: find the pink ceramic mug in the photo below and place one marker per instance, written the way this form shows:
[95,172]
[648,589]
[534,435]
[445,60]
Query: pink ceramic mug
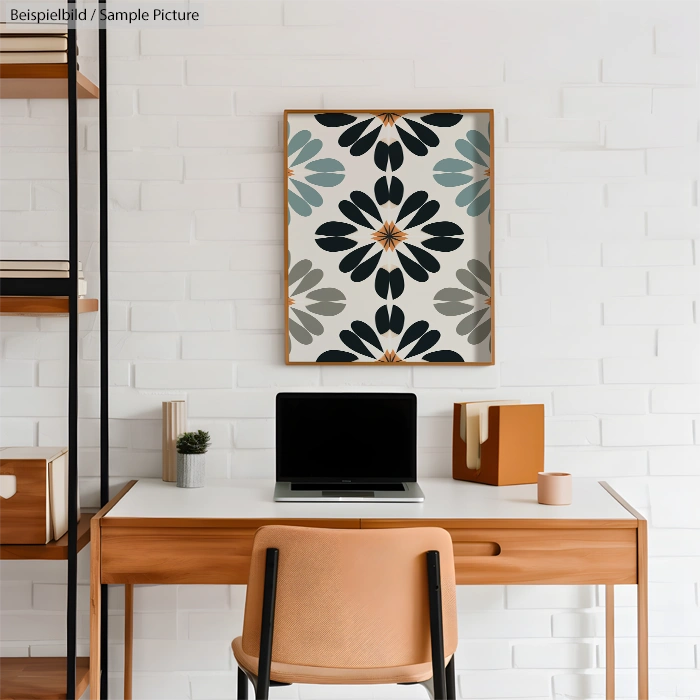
[554,488]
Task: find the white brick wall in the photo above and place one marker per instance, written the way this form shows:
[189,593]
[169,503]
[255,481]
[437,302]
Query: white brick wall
[597,274]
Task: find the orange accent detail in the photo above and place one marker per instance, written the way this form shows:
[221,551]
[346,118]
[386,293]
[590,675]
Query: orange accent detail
[290,301]
[390,356]
[290,172]
[389,118]
[488,301]
[487,172]
[389,236]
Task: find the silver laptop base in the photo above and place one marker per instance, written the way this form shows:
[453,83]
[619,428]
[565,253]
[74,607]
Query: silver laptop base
[412,493]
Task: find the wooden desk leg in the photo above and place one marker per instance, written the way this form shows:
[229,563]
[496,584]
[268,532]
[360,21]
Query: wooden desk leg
[128,638]
[95,609]
[642,612]
[610,642]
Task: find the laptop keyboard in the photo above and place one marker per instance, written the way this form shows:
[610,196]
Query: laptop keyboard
[342,489]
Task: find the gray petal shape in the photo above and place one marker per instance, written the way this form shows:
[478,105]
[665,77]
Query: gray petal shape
[313,325]
[300,334]
[325,308]
[453,294]
[480,270]
[298,271]
[326,294]
[453,308]
[480,334]
[310,281]
[470,282]
[468,324]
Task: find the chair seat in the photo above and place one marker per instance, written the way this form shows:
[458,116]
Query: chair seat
[291,673]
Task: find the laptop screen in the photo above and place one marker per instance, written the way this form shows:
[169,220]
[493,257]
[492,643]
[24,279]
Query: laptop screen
[346,438]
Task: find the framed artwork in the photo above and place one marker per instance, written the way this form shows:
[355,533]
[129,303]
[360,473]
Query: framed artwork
[389,237]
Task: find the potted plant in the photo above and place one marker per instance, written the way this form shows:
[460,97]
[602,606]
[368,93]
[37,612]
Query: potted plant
[191,448]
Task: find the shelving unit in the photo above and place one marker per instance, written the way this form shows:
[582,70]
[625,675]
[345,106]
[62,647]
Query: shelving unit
[56,550]
[43,306]
[42,678]
[43,82]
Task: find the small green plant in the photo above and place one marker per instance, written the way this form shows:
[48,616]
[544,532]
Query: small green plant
[193,443]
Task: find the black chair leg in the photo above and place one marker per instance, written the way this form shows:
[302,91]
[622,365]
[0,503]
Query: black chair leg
[437,645]
[451,680]
[242,685]
[267,624]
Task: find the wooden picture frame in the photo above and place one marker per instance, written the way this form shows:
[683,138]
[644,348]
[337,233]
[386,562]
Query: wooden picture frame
[346,273]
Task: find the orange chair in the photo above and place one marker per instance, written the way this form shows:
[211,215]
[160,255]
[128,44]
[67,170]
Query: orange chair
[349,607]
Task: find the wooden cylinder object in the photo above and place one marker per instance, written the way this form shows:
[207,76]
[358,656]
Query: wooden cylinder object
[174,424]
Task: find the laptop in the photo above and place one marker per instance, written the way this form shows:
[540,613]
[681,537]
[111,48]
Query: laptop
[354,447]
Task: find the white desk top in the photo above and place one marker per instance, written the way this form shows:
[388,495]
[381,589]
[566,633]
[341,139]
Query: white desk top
[444,499]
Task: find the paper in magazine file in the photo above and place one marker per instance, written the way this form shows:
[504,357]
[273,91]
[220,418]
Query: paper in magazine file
[474,428]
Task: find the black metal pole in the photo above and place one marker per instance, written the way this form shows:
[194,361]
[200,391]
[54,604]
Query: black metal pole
[242,685]
[437,645]
[104,330]
[451,680]
[71,607]
[267,624]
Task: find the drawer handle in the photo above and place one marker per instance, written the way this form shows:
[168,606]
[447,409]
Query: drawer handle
[477,549]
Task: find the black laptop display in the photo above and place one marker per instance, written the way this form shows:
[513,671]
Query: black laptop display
[350,446]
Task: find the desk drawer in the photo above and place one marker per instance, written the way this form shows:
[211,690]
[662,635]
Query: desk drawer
[538,555]
[137,551]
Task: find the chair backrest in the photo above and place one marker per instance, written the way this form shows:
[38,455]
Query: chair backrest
[351,598]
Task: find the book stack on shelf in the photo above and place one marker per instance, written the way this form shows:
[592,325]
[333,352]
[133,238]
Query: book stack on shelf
[32,43]
[43,278]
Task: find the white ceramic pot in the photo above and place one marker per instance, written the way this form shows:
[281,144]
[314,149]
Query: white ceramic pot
[190,471]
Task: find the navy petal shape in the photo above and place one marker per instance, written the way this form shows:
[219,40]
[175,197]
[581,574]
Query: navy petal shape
[334,119]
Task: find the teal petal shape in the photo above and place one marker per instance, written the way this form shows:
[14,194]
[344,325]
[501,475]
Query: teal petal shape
[308,193]
[298,271]
[326,294]
[313,325]
[325,308]
[480,270]
[468,151]
[452,179]
[453,308]
[479,140]
[479,205]
[325,179]
[309,151]
[453,294]
[479,335]
[468,324]
[452,165]
[309,282]
[325,165]
[470,282]
[299,333]
[298,140]
[298,204]
[468,194]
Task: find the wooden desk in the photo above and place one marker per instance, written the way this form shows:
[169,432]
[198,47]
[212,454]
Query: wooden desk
[155,533]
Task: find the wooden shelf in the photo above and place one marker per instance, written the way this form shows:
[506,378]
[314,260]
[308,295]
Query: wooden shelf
[42,81]
[43,306]
[55,550]
[40,678]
